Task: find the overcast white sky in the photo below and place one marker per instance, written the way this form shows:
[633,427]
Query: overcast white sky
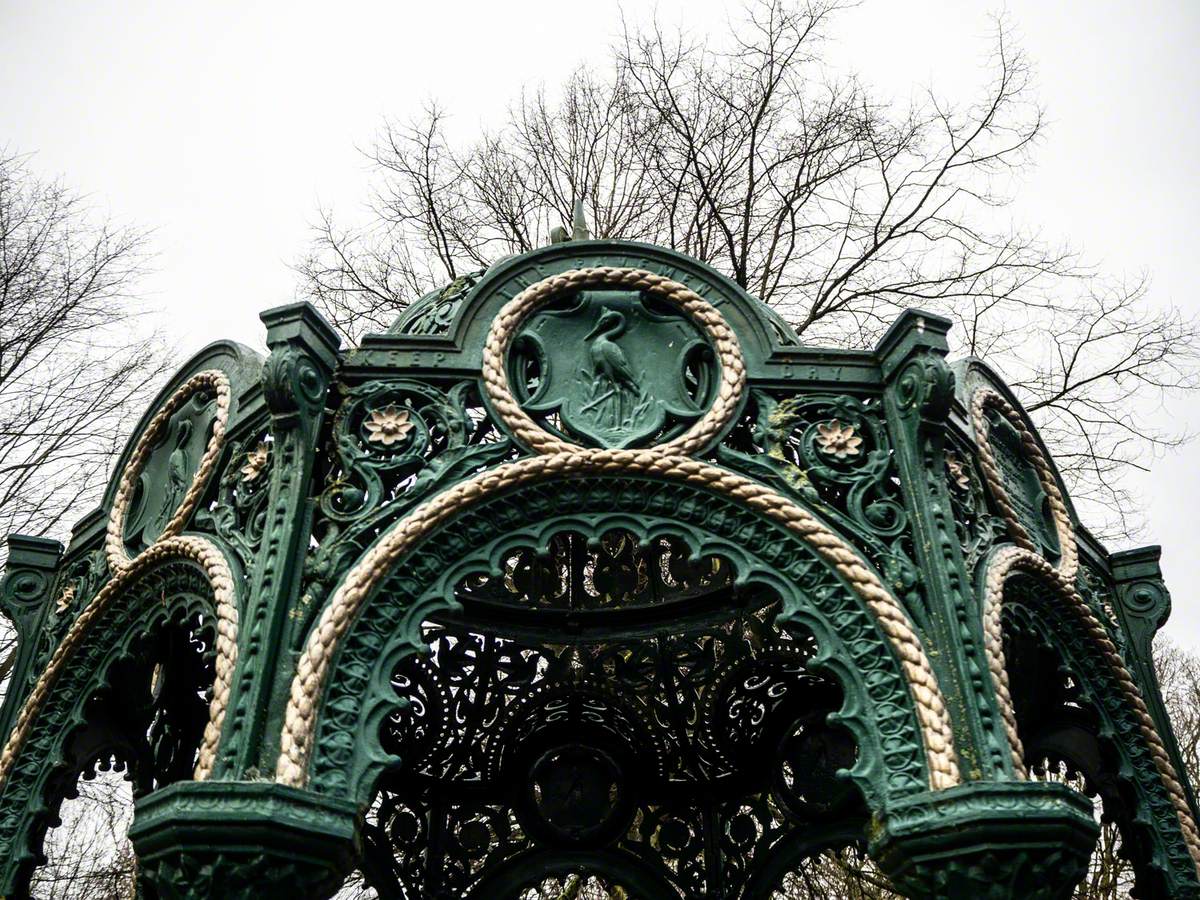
[222,125]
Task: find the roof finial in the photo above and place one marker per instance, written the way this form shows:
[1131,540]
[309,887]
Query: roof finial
[579,229]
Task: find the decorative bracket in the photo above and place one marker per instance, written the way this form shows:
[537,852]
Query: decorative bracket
[24,599]
[1143,606]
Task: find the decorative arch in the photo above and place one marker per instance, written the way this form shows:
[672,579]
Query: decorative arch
[879,709]
[167,543]
[110,618]
[561,458]
[1060,599]
[1053,608]
[47,751]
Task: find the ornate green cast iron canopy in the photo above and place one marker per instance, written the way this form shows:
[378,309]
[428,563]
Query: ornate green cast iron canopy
[589,566]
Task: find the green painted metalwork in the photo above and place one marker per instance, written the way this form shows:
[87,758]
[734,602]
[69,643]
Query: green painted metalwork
[614,370]
[614,671]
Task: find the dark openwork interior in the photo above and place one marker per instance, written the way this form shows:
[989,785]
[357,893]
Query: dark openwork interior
[589,568]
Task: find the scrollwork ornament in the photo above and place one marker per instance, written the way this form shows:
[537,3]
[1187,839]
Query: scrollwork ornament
[73,588]
[856,481]
[26,586]
[434,313]
[926,387]
[292,383]
[239,514]
[1093,586]
[978,529]
[385,433]
[860,492]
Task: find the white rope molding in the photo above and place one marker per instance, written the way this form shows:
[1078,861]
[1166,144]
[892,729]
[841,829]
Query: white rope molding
[216,569]
[981,401]
[1024,557]
[209,380]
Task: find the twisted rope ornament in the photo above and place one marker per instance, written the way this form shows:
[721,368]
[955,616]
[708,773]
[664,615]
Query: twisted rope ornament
[1017,559]
[216,569]
[168,545]
[981,401]
[560,458]
[1025,558]
[516,311]
[212,380]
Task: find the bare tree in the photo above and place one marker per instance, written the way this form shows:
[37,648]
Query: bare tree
[757,157]
[88,852]
[72,382]
[1179,675]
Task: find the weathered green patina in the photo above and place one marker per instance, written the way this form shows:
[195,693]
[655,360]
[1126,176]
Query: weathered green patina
[464,666]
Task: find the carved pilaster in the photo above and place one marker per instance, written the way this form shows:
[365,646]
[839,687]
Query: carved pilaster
[918,392]
[295,380]
[24,597]
[1143,605]
[241,840]
[987,841]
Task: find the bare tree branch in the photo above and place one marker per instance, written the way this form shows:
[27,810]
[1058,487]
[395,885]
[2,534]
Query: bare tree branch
[757,157]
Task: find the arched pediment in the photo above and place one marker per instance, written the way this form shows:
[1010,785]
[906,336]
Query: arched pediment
[173,457]
[761,331]
[973,375]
